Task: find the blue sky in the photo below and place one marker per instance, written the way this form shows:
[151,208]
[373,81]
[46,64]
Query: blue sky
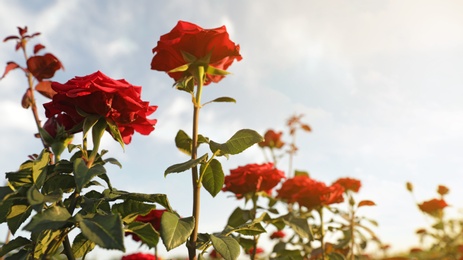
[379,82]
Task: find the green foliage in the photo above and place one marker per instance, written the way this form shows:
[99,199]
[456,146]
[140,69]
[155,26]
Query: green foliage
[240,141]
[175,230]
[226,246]
[212,177]
[181,167]
[105,230]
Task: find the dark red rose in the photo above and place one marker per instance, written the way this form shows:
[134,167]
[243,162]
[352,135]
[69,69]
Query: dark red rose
[349,184]
[60,120]
[153,217]
[116,100]
[139,256]
[252,178]
[272,139]
[278,234]
[292,186]
[433,207]
[189,38]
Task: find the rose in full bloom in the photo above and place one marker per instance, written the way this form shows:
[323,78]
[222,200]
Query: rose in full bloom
[96,94]
[272,139]
[139,256]
[433,207]
[153,217]
[277,235]
[189,38]
[292,186]
[253,178]
[349,184]
[309,192]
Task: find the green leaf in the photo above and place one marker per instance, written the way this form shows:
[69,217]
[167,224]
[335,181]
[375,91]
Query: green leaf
[97,132]
[39,168]
[20,255]
[251,229]
[145,232]
[238,217]
[81,246]
[113,161]
[213,177]
[62,181]
[84,175]
[45,241]
[52,218]
[174,230]
[34,196]
[240,141]
[160,199]
[105,230]
[183,142]
[216,71]
[181,167]
[301,173]
[221,99]
[5,191]
[115,133]
[89,122]
[299,225]
[227,247]
[17,215]
[14,244]
[130,209]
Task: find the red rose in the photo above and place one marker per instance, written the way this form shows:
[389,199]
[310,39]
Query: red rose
[252,178]
[256,251]
[349,184]
[433,207]
[309,192]
[292,186]
[214,254]
[139,256]
[189,38]
[277,234]
[60,120]
[116,100]
[272,139]
[153,217]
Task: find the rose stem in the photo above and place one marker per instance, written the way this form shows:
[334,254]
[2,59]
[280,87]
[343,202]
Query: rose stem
[194,171]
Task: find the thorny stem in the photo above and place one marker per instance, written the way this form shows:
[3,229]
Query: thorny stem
[253,216]
[322,233]
[194,171]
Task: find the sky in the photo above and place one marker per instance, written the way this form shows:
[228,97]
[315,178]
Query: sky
[379,82]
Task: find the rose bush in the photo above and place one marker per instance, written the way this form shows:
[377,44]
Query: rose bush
[189,38]
[96,94]
[252,178]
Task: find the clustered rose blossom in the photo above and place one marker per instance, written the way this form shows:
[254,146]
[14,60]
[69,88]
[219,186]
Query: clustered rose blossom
[252,178]
[310,193]
[140,256]
[272,139]
[277,234]
[433,207]
[96,94]
[153,217]
[189,38]
[349,184]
